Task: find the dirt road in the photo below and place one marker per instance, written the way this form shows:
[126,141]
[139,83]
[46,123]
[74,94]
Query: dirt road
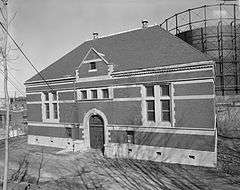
[90,170]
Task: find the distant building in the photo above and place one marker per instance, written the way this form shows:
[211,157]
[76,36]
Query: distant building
[18,113]
[142,94]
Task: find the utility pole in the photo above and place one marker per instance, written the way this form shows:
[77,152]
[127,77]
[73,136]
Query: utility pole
[4,57]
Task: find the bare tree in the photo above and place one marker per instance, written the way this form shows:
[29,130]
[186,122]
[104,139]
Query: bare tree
[40,167]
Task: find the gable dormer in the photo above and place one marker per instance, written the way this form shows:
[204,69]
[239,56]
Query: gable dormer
[94,64]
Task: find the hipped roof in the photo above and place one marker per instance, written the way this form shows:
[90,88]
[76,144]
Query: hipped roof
[137,49]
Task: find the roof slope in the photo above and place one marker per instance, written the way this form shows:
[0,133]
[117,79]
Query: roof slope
[141,48]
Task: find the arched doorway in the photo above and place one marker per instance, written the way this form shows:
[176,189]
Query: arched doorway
[96,129]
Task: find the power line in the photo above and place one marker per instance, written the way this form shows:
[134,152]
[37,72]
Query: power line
[13,84]
[25,56]
[21,85]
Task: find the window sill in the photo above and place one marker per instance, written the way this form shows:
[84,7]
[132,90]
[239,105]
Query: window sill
[51,120]
[159,124]
[92,70]
[91,100]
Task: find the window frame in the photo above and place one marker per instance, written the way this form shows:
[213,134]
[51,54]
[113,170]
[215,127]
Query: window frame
[81,94]
[93,93]
[55,111]
[157,98]
[48,106]
[107,90]
[100,94]
[47,111]
[90,66]
[151,111]
[166,111]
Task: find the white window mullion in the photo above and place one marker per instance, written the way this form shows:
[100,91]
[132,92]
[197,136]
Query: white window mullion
[110,92]
[89,96]
[172,111]
[43,107]
[158,113]
[144,105]
[51,105]
[58,107]
[79,95]
[99,94]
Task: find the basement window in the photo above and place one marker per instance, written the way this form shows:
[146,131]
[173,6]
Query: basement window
[68,132]
[130,137]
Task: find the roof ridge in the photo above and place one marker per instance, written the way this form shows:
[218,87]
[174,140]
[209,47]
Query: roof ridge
[122,32]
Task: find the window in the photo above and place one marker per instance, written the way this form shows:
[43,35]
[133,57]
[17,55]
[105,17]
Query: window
[158,104]
[47,110]
[93,66]
[94,94]
[105,93]
[46,96]
[1,119]
[83,94]
[165,90]
[150,110]
[150,91]
[55,110]
[50,106]
[130,137]
[68,132]
[165,110]
[54,95]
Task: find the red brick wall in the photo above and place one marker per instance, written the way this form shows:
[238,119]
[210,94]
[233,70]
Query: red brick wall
[195,113]
[66,95]
[128,113]
[130,92]
[206,88]
[182,141]
[33,97]
[34,112]
[61,132]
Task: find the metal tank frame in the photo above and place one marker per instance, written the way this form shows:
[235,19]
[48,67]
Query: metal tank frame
[214,30]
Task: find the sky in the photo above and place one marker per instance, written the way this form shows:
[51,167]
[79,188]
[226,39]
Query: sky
[48,29]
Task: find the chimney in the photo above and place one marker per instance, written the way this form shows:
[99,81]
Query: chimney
[95,35]
[144,23]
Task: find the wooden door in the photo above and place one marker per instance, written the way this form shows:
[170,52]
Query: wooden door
[96,127]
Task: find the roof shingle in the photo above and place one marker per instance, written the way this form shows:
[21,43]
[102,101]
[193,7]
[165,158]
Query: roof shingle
[137,49]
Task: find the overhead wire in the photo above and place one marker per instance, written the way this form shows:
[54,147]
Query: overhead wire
[25,56]
[14,85]
[14,78]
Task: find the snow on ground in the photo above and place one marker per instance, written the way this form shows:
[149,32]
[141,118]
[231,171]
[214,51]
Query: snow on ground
[91,170]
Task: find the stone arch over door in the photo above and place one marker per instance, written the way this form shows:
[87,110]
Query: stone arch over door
[88,115]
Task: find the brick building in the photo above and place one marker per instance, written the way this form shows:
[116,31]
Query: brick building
[18,113]
[142,94]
